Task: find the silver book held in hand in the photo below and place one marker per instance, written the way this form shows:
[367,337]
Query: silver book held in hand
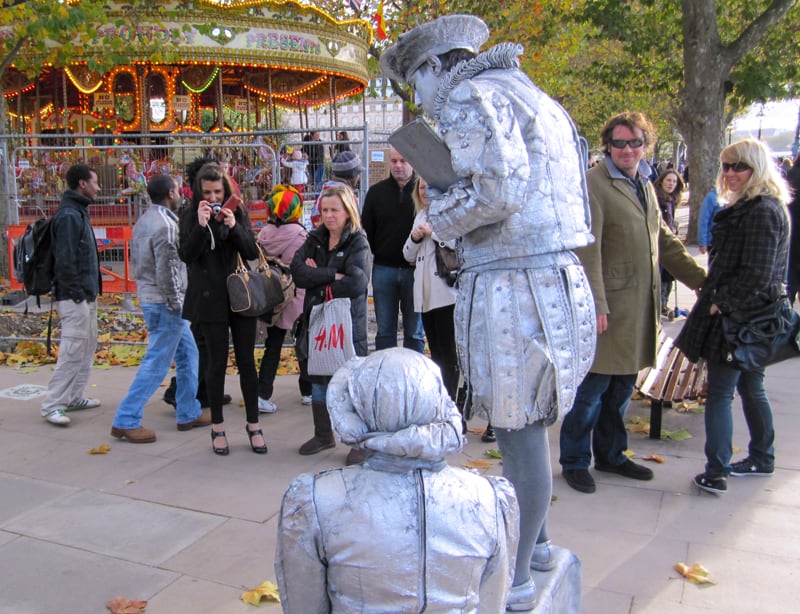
[425,152]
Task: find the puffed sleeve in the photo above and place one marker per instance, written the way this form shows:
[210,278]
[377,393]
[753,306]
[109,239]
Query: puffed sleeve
[488,150]
[499,572]
[299,558]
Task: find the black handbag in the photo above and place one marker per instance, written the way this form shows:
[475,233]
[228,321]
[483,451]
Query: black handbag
[758,338]
[254,293]
[447,264]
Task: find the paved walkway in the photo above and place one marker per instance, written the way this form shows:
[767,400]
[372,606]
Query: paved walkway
[188,531]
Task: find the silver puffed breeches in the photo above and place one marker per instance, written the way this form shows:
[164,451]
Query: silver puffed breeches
[526,338]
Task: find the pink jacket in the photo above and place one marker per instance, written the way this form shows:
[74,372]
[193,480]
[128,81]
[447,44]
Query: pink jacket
[282,242]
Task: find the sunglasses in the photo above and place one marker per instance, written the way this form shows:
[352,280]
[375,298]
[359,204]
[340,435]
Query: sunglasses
[736,167]
[621,143]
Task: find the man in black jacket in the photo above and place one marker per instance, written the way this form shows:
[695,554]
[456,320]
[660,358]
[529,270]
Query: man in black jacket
[387,218]
[76,269]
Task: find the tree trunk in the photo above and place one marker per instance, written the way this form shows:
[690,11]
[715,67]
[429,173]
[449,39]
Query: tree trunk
[707,64]
[702,111]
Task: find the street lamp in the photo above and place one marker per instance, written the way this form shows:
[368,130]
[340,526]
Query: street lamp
[760,116]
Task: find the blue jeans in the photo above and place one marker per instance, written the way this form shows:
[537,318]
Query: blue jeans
[169,337]
[393,286]
[722,380]
[319,175]
[597,417]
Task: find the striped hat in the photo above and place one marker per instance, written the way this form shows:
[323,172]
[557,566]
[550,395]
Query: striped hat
[285,204]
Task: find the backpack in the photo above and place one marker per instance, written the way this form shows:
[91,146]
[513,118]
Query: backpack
[33,258]
[33,265]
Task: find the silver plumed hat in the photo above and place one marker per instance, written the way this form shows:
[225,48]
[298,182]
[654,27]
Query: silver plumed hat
[430,39]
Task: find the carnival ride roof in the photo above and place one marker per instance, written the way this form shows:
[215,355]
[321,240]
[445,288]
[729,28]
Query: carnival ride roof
[297,55]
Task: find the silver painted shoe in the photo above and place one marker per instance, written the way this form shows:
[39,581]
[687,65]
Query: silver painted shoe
[522,598]
[542,559]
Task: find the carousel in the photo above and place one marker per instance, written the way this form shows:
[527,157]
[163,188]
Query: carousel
[251,58]
[227,71]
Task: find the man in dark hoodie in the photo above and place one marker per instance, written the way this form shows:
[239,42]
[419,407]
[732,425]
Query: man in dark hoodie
[387,219]
[77,282]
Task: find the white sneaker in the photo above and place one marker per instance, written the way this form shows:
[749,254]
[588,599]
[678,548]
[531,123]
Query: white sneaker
[57,416]
[522,598]
[83,404]
[306,399]
[265,406]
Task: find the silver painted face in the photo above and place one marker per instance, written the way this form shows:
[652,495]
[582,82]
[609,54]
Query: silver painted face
[425,83]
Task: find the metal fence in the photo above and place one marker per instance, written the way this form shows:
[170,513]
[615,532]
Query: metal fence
[34,168]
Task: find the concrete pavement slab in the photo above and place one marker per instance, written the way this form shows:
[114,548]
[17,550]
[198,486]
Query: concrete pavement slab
[115,526]
[40,577]
[23,495]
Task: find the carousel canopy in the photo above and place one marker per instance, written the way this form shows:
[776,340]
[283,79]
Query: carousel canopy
[295,55]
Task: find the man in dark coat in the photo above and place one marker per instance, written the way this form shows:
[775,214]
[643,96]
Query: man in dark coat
[76,269]
[387,218]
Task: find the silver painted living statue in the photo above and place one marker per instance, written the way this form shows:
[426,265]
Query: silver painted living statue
[405,532]
[525,318]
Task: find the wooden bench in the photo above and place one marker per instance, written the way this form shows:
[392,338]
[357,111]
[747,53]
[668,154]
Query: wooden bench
[673,379]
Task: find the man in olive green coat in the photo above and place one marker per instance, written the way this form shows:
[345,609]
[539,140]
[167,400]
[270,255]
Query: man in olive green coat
[622,265]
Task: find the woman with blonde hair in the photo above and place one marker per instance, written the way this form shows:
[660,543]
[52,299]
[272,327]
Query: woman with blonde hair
[747,269]
[334,256]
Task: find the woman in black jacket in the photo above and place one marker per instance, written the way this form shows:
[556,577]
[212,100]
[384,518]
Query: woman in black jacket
[747,269]
[336,256]
[209,247]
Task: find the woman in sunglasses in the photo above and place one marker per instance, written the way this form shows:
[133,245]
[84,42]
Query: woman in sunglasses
[747,269]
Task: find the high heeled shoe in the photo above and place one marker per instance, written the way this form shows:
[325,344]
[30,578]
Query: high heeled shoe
[221,451]
[250,435]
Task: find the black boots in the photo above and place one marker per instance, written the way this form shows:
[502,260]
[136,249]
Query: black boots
[323,432]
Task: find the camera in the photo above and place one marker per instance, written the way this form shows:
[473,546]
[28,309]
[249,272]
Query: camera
[215,208]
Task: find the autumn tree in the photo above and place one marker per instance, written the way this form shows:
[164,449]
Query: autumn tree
[691,66]
[706,59]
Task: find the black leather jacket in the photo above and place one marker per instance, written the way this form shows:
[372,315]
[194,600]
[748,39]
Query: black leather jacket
[76,268]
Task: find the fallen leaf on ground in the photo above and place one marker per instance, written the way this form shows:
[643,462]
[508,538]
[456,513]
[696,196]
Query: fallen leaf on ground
[655,458]
[696,574]
[491,453]
[476,431]
[123,605]
[690,407]
[637,424]
[103,448]
[265,591]
[477,464]
[629,453]
[679,435]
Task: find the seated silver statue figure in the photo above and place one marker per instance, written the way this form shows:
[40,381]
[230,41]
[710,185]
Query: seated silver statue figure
[405,532]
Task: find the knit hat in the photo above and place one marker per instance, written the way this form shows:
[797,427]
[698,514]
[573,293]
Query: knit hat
[346,165]
[285,204]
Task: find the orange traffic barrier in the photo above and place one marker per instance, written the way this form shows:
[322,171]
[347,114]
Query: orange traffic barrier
[113,246]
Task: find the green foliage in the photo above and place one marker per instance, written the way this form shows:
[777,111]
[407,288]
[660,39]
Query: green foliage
[43,32]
